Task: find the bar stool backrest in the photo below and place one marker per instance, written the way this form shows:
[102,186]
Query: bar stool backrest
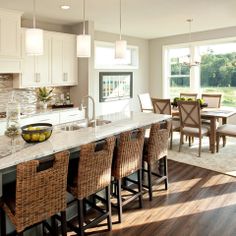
[157,144]
[145,102]
[40,193]
[94,171]
[128,158]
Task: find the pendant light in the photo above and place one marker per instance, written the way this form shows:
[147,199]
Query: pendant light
[83,40]
[189,60]
[34,38]
[120,45]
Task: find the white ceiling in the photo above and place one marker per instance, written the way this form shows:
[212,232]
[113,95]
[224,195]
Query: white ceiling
[141,18]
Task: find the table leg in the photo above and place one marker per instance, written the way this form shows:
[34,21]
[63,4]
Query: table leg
[213,135]
[224,121]
[0,184]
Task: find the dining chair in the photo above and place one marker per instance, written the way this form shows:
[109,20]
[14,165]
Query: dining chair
[190,122]
[188,95]
[145,102]
[163,106]
[212,100]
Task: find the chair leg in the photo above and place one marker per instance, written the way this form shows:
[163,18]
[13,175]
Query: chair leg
[224,141]
[20,234]
[140,187]
[217,142]
[150,182]
[108,207]
[166,172]
[80,217]
[180,142]
[189,141]
[3,222]
[200,146]
[119,201]
[171,138]
[63,223]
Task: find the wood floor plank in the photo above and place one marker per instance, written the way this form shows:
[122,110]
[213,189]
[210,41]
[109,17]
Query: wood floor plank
[199,202]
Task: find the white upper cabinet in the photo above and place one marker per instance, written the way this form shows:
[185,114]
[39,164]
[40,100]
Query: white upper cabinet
[35,69]
[64,60]
[10,33]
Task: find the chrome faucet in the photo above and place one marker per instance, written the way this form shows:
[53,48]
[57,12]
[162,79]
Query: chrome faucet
[93,102]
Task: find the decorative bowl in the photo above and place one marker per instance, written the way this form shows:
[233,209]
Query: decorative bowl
[36,133]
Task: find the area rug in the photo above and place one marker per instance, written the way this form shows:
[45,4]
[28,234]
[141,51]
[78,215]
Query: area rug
[224,161]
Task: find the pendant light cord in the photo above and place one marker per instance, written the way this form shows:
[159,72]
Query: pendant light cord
[83,17]
[34,13]
[120,19]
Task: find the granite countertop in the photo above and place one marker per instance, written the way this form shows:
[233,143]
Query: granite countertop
[69,140]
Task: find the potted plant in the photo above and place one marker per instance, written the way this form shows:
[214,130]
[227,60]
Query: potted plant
[44,96]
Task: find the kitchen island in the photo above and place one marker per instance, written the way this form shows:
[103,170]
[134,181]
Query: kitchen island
[72,140]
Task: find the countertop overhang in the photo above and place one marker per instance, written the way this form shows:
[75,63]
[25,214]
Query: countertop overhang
[69,140]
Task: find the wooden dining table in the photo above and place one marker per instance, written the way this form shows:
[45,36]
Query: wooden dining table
[213,114]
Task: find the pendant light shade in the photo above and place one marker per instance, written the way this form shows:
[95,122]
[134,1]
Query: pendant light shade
[34,38]
[120,49]
[34,42]
[120,45]
[84,40]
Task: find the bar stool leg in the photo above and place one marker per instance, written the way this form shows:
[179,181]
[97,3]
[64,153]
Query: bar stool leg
[80,217]
[63,223]
[140,188]
[108,207]
[3,222]
[54,226]
[150,182]
[166,172]
[119,201]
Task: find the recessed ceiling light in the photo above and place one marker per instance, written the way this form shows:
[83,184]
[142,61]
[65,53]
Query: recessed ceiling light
[65,7]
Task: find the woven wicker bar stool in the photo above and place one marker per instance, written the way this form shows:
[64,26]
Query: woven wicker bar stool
[128,160]
[94,175]
[155,151]
[38,194]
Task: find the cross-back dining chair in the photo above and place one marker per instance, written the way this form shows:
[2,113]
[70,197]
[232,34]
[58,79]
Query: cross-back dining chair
[163,106]
[212,100]
[188,95]
[145,102]
[190,122]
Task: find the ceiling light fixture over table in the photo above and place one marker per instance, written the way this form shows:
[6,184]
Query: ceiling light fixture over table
[83,40]
[190,60]
[34,38]
[120,45]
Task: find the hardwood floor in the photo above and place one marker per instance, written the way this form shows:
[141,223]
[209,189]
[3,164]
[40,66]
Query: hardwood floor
[199,202]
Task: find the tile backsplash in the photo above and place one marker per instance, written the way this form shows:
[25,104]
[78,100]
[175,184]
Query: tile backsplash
[26,97]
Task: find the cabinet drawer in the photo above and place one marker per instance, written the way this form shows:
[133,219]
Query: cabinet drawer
[70,116]
[46,118]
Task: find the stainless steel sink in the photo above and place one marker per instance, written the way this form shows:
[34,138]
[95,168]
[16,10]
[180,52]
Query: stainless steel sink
[84,124]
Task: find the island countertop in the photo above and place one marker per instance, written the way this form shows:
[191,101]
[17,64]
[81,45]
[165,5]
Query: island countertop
[69,140]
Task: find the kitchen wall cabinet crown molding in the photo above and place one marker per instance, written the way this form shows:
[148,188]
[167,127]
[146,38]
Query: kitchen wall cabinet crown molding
[10,41]
[56,67]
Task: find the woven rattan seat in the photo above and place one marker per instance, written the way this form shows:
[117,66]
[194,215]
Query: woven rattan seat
[94,174]
[155,151]
[163,106]
[39,194]
[128,160]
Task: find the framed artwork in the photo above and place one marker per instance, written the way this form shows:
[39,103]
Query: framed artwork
[115,86]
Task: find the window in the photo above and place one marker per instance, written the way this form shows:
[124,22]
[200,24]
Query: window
[215,74]
[218,71]
[105,57]
[179,74]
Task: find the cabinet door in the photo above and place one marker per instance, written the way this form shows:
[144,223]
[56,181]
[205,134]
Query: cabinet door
[36,69]
[69,60]
[64,67]
[57,59]
[10,34]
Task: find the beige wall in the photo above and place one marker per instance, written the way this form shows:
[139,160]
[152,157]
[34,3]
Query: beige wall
[140,76]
